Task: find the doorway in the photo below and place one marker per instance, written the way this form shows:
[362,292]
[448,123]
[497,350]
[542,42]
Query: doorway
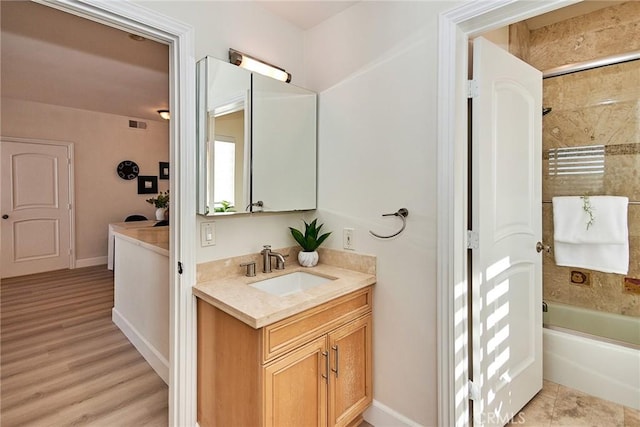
[136,19]
[456,27]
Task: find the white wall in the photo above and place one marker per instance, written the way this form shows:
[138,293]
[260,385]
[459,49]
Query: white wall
[375,66]
[241,25]
[101,142]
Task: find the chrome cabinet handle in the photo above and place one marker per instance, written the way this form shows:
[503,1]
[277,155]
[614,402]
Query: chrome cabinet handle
[337,350]
[326,365]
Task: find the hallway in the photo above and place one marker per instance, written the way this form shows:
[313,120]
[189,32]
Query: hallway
[64,362]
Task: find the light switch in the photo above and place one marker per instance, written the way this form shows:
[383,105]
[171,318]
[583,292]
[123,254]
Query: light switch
[207,233]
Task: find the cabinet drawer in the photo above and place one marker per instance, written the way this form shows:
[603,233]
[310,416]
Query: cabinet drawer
[293,331]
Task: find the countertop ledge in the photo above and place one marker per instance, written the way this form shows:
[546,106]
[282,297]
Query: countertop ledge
[155,239]
[257,308]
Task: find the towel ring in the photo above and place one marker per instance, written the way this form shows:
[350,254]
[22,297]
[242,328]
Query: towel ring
[403,213]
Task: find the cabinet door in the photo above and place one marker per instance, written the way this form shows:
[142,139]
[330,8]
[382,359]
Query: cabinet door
[295,387]
[350,390]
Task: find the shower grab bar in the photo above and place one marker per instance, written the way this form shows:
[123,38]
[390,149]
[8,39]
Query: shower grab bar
[631,203]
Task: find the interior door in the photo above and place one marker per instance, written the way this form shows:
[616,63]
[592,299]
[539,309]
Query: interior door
[35,207]
[506,215]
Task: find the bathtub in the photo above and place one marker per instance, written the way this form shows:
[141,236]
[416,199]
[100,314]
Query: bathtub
[600,366]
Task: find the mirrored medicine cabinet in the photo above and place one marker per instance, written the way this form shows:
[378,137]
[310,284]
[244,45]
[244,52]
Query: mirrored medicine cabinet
[256,142]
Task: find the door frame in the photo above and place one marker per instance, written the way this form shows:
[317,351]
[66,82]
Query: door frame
[456,27]
[70,168]
[134,18]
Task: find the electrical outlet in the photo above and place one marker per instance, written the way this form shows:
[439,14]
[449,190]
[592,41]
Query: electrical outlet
[207,233]
[347,239]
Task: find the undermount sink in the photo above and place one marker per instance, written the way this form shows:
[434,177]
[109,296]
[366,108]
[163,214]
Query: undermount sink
[290,283]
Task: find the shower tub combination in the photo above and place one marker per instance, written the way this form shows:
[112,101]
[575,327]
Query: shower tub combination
[603,362]
[595,352]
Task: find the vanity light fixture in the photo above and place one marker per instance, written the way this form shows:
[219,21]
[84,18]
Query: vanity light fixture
[245,61]
[164,114]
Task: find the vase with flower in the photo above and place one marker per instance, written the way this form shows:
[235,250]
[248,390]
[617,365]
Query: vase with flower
[161,202]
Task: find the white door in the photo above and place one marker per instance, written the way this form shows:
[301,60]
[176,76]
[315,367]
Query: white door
[35,206]
[506,214]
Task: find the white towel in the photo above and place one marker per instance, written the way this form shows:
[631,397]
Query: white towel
[604,245]
[609,225]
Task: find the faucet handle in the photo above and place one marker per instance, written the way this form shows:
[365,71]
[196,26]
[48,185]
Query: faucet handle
[280,262]
[266,248]
[251,268]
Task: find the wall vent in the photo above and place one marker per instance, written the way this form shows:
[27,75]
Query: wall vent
[137,125]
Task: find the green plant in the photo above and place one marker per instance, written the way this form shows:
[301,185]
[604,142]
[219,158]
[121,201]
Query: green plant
[309,241]
[226,207]
[162,201]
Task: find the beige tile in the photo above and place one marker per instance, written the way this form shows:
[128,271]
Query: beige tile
[538,412]
[549,390]
[574,408]
[631,417]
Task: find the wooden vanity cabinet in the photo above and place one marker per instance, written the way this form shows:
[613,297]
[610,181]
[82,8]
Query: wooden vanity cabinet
[311,369]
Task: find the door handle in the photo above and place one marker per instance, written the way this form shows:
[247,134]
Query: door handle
[541,247]
[5,216]
[337,360]
[326,365]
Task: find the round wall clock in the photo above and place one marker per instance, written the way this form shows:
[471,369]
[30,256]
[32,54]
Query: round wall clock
[128,169]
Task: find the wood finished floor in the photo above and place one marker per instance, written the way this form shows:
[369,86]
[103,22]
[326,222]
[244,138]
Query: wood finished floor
[63,362]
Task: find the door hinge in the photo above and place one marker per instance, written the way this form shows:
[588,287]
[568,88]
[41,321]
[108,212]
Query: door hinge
[474,391]
[179,267]
[472,88]
[473,240]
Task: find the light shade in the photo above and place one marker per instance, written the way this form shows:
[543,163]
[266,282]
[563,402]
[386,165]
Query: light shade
[164,114]
[245,61]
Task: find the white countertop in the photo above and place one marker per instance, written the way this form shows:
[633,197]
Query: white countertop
[257,308]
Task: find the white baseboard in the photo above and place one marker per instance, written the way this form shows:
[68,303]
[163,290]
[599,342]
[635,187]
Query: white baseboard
[90,262]
[149,352]
[380,415]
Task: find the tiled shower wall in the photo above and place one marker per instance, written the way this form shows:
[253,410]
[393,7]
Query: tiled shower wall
[599,110]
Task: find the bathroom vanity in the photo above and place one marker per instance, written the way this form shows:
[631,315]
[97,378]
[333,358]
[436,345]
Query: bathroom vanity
[274,357]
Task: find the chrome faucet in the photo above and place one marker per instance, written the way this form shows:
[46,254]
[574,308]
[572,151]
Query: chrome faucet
[266,259]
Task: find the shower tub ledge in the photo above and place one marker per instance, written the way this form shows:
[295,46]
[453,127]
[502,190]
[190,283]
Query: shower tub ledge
[595,367]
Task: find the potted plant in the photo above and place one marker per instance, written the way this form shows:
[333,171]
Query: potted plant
[309,242]
[161,203]
[225,206]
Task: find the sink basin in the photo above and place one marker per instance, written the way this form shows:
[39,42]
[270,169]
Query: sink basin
[290,283]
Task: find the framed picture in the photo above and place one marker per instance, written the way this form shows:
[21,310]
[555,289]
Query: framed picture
[164,170]
[147,184]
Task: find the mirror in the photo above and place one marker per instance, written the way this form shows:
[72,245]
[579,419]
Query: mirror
[223,131]
[256,142]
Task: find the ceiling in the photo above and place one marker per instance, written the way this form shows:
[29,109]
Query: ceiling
[57,58]
[307,13]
